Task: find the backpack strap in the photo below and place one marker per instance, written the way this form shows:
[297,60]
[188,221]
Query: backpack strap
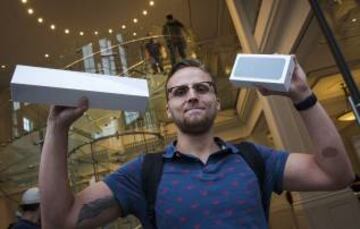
[151,172]
[252,156]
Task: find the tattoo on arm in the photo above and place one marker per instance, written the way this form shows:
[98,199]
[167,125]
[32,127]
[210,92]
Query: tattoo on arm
[95,208]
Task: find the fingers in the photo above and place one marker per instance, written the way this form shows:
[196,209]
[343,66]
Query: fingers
[267,92]
[297,64]
[65,116]
[263,91]
[55,111]
[83,105]
[77,112]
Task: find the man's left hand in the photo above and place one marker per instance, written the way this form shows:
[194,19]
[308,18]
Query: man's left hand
[299,89]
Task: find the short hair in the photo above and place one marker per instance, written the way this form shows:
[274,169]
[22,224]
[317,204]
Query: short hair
[185,63]
[169,17]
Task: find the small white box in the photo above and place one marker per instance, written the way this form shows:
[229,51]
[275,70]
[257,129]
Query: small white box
[273,72]
[63,87]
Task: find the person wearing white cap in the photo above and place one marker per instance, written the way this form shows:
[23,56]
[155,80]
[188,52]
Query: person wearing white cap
[30,206]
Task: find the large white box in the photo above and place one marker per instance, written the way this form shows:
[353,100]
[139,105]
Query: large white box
[273,72]
[63,87]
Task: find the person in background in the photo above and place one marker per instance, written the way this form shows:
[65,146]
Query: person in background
[30,207]
[173,31]
[153,53]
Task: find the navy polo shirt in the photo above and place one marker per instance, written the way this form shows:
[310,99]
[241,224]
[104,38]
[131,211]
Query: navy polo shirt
[25,224]
[223,193]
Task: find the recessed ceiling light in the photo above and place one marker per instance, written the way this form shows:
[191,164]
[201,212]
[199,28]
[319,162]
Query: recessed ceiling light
[67,31]
[134,34]
[110,30]
[46,55]
[193,55]
[30,11]
[123,26]
[96,32]
[144,12]
[40,20]
[354,20]
[346,116]
[227,69]
[52,26]
[81,33]
[135,20]
[3,66]
[24,1]
[151,3]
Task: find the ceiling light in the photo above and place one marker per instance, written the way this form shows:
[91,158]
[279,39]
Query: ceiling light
[46,55]
[96,33]
[227,70]
[52,26]
[135,20]
[40,20]
[193,55]
[151,3]
[134,34]
[81,33]
[110,31]
[346,116]
[67,31]
[144,12]
[123,26]
[354,20]
[3,66]
[24,1]
[30,11]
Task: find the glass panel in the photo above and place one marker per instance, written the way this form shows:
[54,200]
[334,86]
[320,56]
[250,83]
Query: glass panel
[89,62]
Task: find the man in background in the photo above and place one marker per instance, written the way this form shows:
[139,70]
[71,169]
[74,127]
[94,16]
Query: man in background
[153,53]
[30,206]
[173,32]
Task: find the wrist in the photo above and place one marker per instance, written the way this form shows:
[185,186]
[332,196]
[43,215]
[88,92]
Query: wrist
[300,95]
[55,127]
[306,103]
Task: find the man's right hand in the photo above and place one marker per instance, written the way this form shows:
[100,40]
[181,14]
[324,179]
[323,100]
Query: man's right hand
[62,116]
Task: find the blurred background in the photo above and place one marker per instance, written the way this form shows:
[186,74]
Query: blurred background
[112,38]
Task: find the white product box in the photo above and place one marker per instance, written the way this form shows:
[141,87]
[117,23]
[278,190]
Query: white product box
[273,72]
[63,87]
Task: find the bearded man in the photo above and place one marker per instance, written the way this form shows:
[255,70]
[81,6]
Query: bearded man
[204,182]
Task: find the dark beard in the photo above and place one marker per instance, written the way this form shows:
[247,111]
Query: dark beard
[196,128]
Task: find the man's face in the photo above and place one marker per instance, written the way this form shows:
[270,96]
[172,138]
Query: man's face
[192,102]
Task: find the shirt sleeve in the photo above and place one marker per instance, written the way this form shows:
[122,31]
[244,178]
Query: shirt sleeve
[125,183]
[275,161]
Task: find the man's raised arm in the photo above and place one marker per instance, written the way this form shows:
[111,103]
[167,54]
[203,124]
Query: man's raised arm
[59,207]
[328,166]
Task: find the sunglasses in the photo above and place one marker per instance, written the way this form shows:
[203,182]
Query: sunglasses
[200,88]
